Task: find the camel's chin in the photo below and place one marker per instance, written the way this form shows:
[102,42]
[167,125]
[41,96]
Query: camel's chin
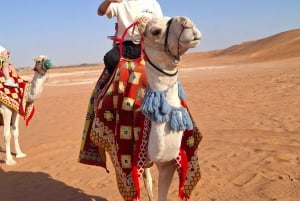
[191,44]
[194,43]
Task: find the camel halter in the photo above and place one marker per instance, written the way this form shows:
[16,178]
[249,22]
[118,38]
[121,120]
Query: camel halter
[121,40]
[43,66]
[166,46]
[167,49]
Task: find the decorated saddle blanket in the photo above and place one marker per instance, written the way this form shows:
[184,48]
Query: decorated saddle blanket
[15,98]
[116,125]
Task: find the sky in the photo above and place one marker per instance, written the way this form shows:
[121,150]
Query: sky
[71,32]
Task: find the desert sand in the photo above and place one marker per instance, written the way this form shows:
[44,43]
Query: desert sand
[247,111]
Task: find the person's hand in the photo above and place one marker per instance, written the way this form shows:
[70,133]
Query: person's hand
[104,6]
[142,23]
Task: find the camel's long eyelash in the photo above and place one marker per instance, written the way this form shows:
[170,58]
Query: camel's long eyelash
[156,32]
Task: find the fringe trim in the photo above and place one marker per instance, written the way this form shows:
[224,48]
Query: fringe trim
[156,107]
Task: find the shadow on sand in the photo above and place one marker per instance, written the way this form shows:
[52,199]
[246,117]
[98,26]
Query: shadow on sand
[37,186]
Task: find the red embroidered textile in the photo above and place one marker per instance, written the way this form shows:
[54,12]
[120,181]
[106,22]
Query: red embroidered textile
[15,98]
[115,125]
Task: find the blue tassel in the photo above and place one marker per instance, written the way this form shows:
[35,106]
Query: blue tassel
[156,101]
[181,92]
[146,107]
[156,107]
[180,123]
[187,120]
[165,108]
[176,121]
[173,122]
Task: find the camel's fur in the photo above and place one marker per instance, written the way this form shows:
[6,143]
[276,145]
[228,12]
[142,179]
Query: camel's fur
[164,144]
[11,117]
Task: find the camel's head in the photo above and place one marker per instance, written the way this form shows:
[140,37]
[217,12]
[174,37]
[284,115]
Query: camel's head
[42,64]
[173,35]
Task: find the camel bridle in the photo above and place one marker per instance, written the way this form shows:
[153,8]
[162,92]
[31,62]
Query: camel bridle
[166,46]
[40,67]
[167,49]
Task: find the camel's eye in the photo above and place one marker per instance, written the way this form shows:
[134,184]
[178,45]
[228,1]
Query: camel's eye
[156,32]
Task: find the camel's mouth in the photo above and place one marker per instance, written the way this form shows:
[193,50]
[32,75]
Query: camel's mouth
[191,44]
[190,38]
[184,46]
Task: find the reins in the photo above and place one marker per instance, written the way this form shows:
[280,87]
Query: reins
[121,40]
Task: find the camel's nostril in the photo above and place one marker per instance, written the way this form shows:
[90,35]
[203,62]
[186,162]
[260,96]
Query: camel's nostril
[187,24]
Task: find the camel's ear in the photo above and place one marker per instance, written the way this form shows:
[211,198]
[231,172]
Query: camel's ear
[44,57]
[143,21]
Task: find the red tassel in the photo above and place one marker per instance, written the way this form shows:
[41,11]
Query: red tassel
[27,119]
[182,173]
[136,183]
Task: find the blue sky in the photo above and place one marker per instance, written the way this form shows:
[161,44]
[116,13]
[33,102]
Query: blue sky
[71,32]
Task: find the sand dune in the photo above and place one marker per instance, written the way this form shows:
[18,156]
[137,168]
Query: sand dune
[279,46]
[276,47]
[248,113]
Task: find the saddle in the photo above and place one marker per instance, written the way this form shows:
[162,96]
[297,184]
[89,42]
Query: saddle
[15,98]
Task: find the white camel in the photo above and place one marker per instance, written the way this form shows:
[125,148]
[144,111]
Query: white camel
[128,111]
[11,117]
[165,41]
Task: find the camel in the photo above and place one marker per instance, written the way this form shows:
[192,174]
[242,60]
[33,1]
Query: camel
[153,115]
[165,41]
[11,116]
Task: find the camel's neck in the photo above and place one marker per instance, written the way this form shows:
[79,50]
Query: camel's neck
[158,81]
[167,84]
[36,87]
